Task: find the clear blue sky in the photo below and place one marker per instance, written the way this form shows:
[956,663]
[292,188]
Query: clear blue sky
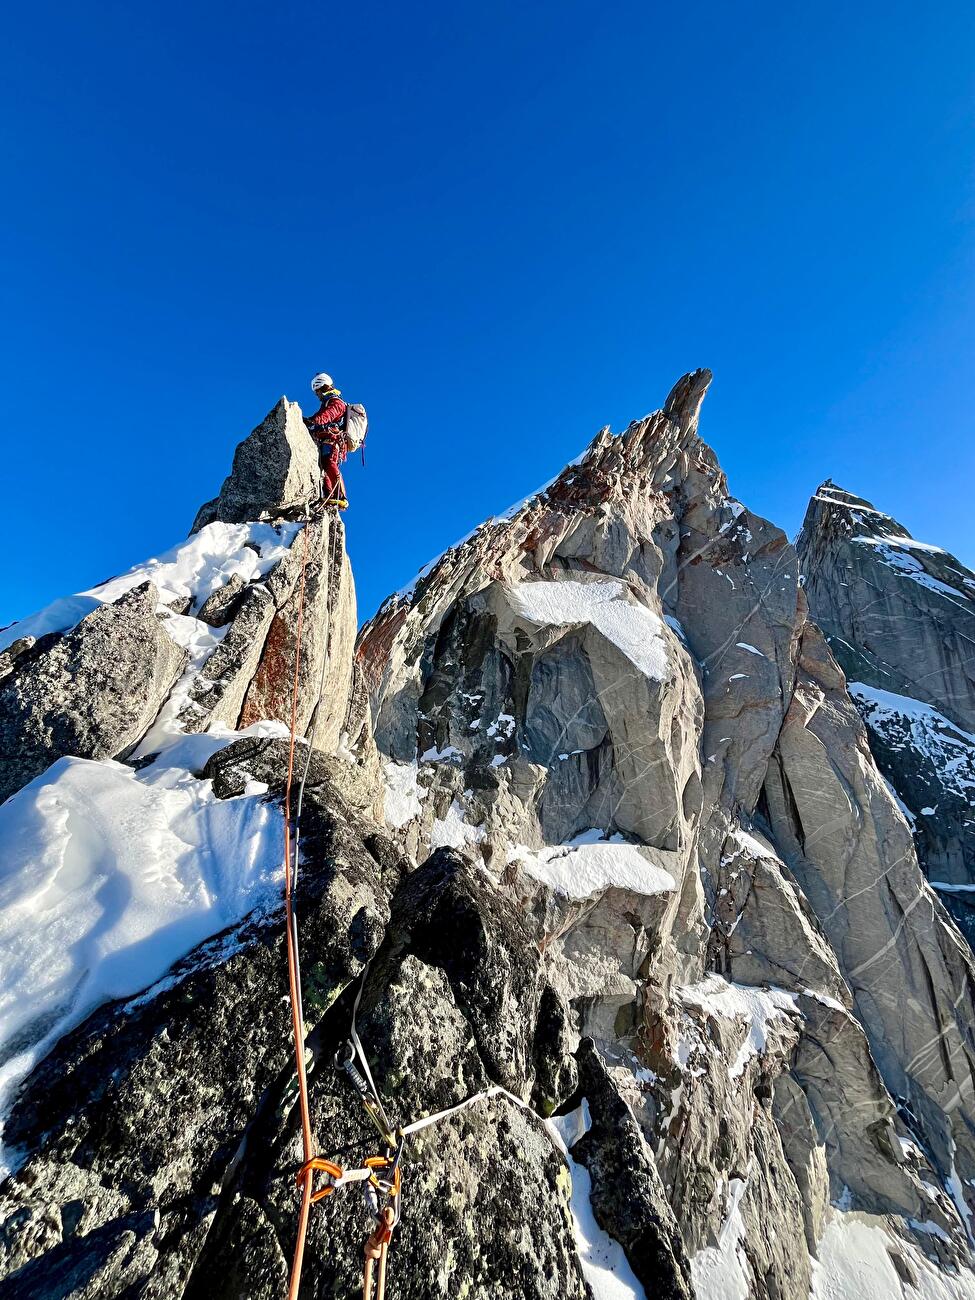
[500,227]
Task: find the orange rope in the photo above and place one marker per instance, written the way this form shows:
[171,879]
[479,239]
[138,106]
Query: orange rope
[297,1021]
[378,1244]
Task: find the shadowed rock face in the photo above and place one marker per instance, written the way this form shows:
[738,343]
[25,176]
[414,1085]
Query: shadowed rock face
[899,616]
[638,866]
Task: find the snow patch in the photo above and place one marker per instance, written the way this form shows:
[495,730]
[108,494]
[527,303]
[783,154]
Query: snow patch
[752,846]
[901,722]
[503,725]
[401,802]
[722,1272]
[757,1007]
[676,627]
[434,755]
[853,1262]
[591,863]
[892,552]
[634,629]
[453,831]
[195,569]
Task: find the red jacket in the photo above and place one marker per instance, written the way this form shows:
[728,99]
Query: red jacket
[331,413]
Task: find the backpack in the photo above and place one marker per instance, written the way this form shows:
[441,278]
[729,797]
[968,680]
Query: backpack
[356,425]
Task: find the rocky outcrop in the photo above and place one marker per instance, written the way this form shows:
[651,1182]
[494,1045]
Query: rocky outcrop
[899,616]
[217,692]
[249,677]
[275,469]
[222,605]
[92,692]
[627,1195]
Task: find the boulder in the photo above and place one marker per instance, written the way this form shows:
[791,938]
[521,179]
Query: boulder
[221,606]
[92,692]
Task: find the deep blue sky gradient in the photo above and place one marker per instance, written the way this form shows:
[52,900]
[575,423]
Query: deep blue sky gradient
[500,227]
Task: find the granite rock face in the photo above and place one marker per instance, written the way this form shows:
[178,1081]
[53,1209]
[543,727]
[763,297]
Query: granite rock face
[612,698]
[907,605]
[899,616]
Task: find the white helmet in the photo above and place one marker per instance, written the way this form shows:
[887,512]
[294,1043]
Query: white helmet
[321,381]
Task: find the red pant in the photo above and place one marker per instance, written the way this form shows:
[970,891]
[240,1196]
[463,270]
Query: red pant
[331,474]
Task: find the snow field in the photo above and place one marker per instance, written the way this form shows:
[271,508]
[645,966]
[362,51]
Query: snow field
[107,878]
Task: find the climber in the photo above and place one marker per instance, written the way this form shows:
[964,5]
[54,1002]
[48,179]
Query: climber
[326,426]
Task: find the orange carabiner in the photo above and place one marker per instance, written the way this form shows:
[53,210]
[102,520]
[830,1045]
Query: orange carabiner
[324,1166]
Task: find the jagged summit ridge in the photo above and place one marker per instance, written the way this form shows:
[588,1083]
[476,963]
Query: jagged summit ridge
[626,854]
